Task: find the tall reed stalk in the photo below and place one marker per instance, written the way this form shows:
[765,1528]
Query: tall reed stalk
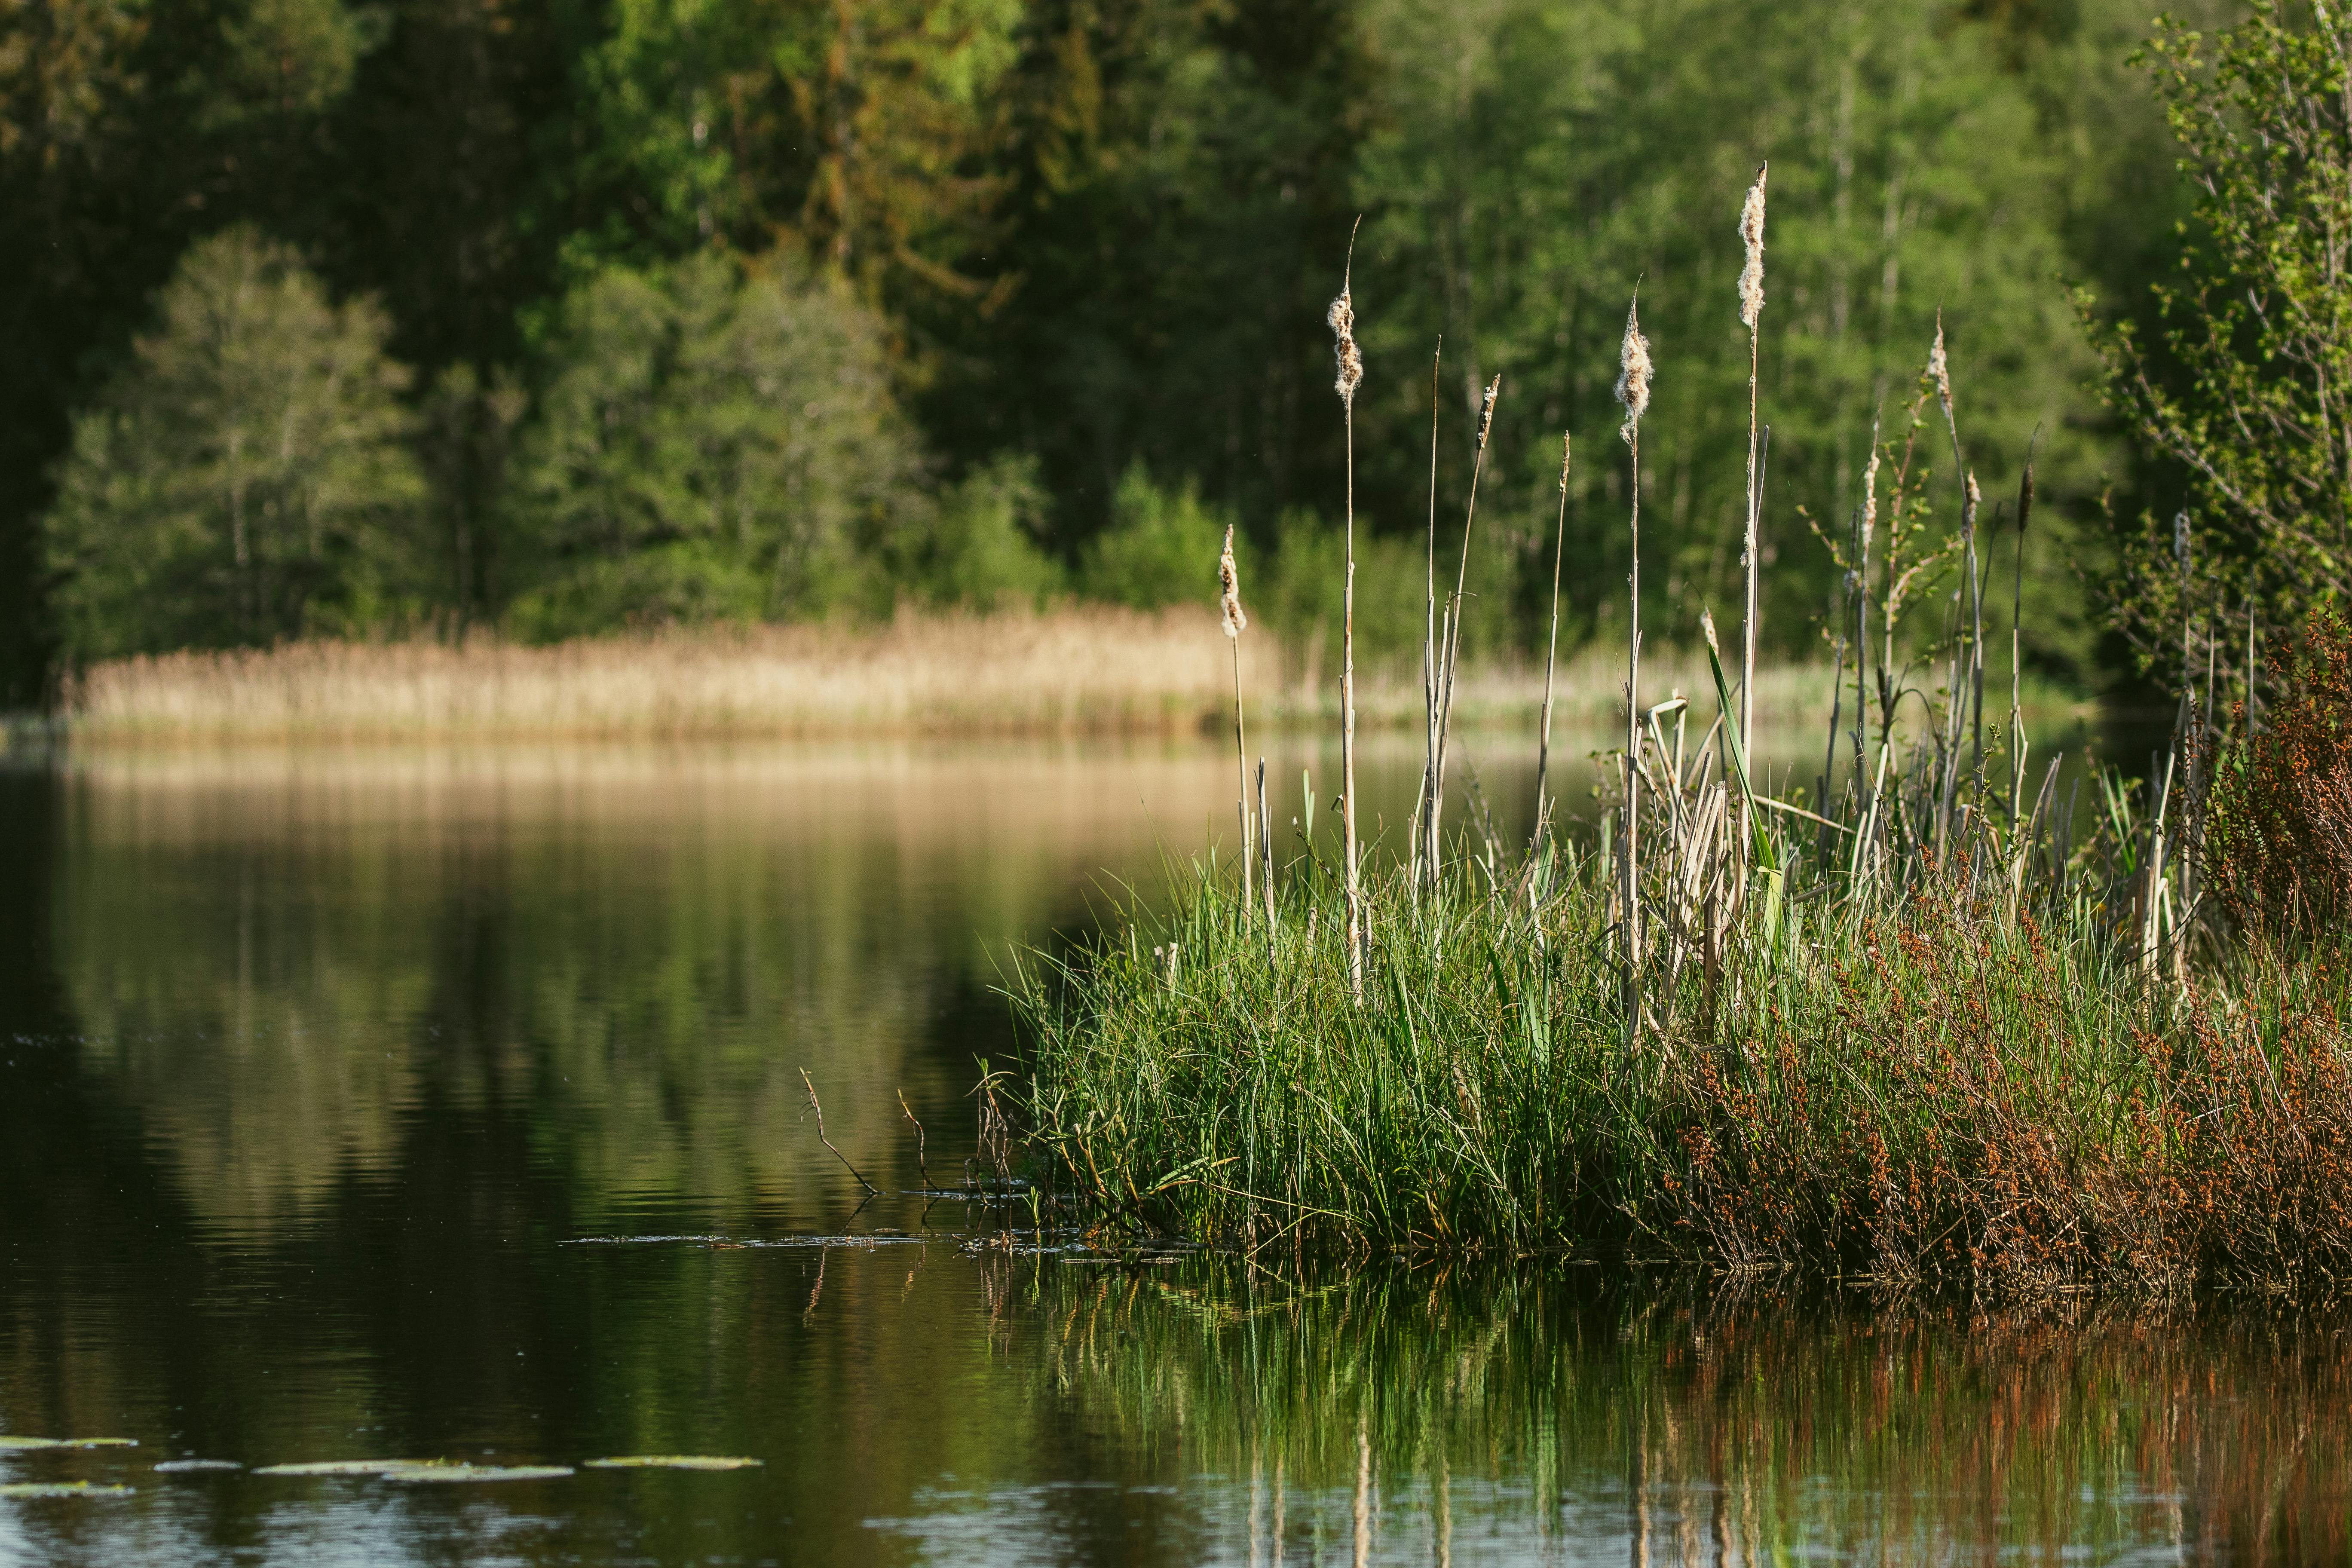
[1425,845]
[1551,654]
[1234,621]
[1342,319]
[1449,652]
[1752,311]
[1633,392]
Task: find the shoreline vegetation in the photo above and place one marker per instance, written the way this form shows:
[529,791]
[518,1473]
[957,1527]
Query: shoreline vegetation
[1074,670]
[1946,1020]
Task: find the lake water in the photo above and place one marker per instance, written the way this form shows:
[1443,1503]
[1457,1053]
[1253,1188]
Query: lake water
[384,1105]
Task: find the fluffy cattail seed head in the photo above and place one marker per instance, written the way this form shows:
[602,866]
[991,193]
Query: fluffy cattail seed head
[1229,588]
[1975,497]
[1342,318]
[1939,369]
[1751,236]
[1707,624]
[2180,539]
[1869,501]
[1487,411]
[1563,462]
[1633,373]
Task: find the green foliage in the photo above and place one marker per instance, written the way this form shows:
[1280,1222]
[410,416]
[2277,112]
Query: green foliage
[245,478]
[709,445]
[1302,589]
[1161,547]
[2245,391]
[981,548]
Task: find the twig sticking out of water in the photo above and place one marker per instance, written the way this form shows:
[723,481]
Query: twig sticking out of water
[921,1164]
[818,1105]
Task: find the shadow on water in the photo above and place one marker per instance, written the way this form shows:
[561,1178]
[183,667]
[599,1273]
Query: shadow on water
[312,1073]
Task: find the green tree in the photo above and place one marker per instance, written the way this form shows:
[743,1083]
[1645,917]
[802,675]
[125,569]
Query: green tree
[1537,161]
[2244,389]
[708,445]
[244,478]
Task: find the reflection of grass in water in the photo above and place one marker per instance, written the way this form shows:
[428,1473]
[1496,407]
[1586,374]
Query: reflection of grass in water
[1532,1399]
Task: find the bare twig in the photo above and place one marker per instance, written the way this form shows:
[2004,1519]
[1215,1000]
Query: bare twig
[818,1105]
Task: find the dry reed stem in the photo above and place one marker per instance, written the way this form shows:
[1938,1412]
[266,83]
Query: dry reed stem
[1633,392]
[1552,651]
[1342,318]
[1229,605]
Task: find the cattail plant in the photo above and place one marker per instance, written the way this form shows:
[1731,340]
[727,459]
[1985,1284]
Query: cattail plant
[1229,606]
[1342,320]
[1449,646]
[1939,370]
[2017,645]
[1751,312]
[1425,848]
[1633,392]
[1552,650]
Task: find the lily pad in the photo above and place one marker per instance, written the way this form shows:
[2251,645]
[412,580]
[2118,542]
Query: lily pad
[22,1445]
[61,1488]
[673,1462]
[190,1466]
[459,1472]
[343,1468]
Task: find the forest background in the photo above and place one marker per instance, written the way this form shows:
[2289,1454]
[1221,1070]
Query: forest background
[549,317]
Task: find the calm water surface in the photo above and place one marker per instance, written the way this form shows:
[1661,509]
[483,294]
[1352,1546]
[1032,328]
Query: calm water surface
[363,1105]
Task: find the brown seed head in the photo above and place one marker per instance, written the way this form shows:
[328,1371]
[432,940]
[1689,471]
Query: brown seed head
[1229,588]
[1343,317]
[1751,236]
[1487,411]
[1633,373]
[1869,501]
[1939,368]
[1563,462]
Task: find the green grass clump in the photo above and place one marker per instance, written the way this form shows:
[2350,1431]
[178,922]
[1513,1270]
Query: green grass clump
[1933,1090]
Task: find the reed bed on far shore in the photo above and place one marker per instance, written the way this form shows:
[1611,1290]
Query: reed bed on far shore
[1083,669]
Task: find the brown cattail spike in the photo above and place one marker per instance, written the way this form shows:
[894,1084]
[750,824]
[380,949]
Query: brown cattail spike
[1487,411]
[1633,372]
[1229,588]
[2025,499]
[1342,320]
[1751,237]
[1869,499]
[1939,369]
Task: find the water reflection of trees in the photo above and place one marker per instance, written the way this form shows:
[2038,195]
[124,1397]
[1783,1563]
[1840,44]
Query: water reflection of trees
[280,960]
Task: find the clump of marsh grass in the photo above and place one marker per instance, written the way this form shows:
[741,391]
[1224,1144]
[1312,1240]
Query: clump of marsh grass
[1913,1026]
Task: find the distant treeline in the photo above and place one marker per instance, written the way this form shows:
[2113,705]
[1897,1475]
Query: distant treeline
[562,315]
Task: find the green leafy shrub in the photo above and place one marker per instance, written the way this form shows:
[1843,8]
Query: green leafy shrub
[1159,549]
[979,547]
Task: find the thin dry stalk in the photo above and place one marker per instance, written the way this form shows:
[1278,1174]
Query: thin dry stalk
[1633,392]
[1342,319]
[1265,849]
[1433,804]
[922,1164]
[1552,650]
[1751,310]
[1229,604]
[818,1105]
[1450,648]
